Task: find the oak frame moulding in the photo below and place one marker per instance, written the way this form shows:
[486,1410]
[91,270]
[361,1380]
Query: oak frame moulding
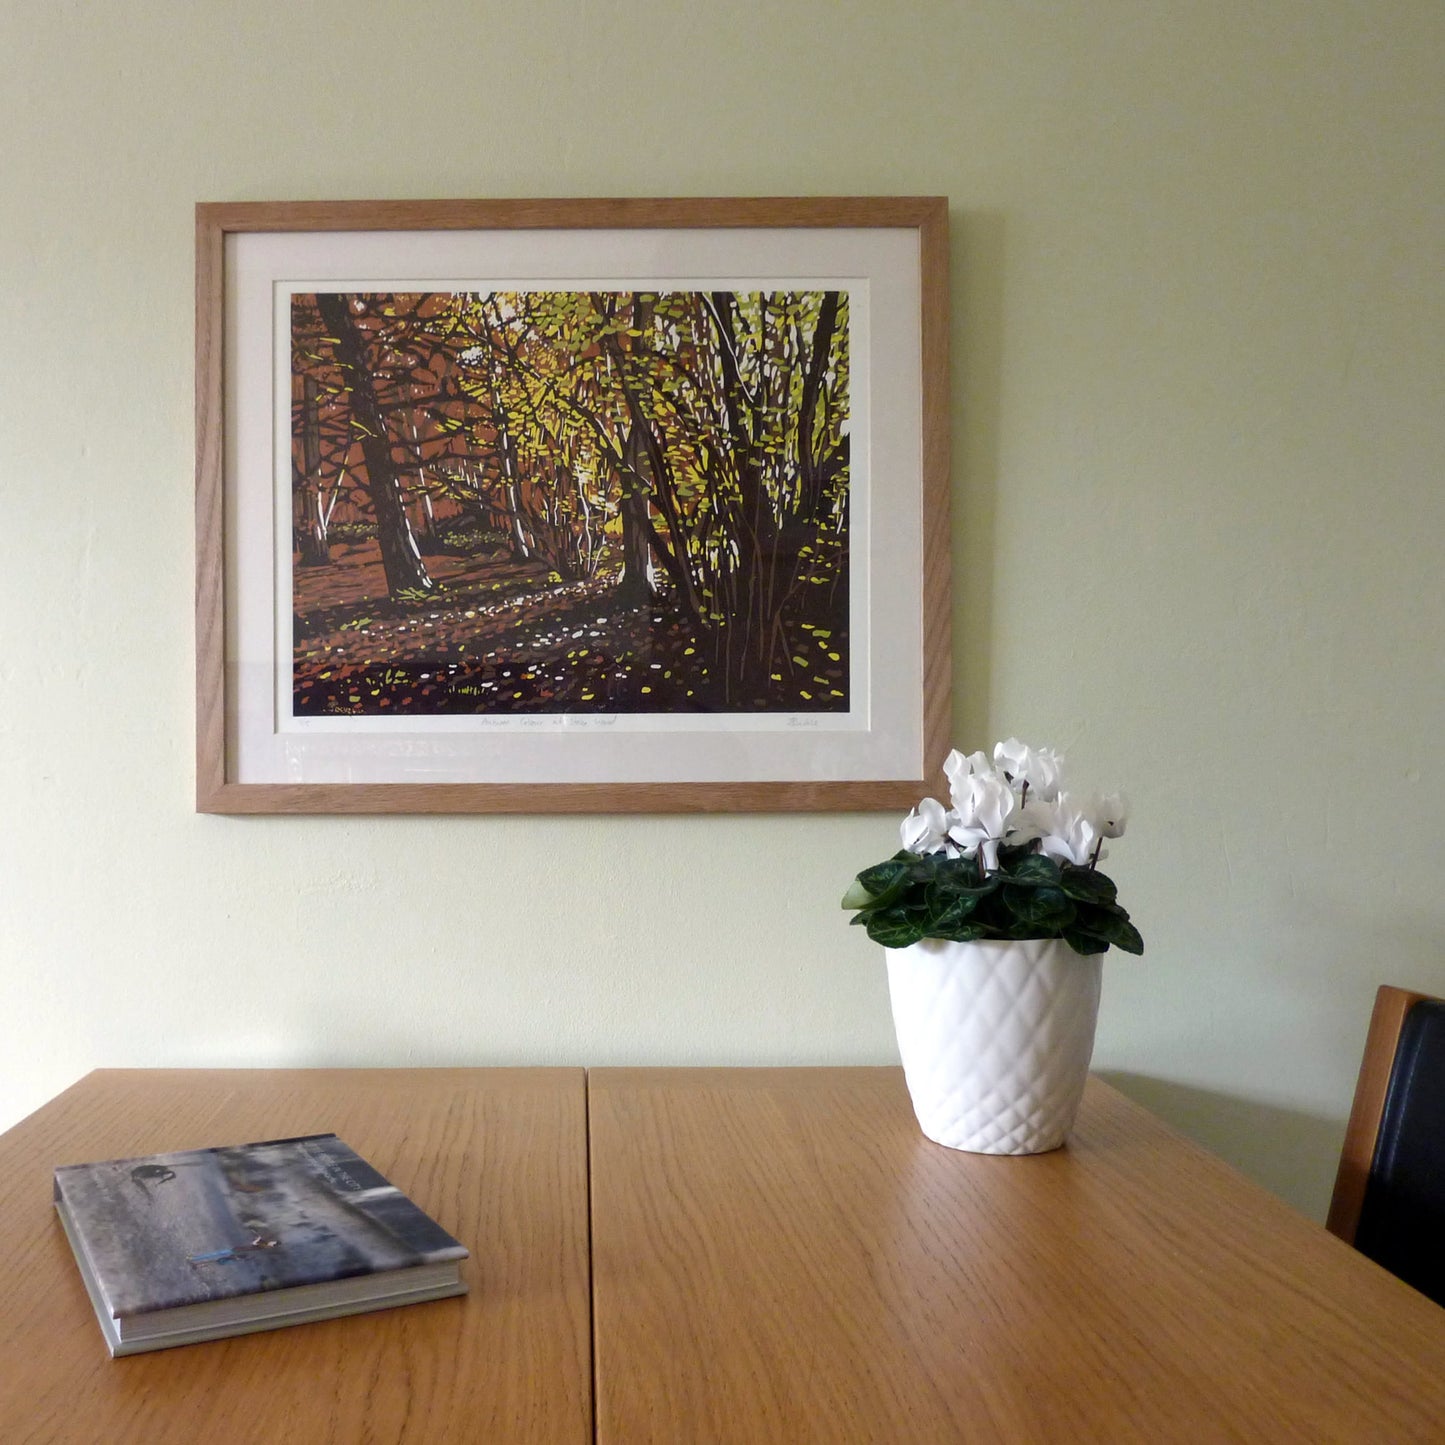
[839,304]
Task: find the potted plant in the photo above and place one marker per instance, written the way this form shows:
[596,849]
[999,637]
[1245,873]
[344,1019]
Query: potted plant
[995,917]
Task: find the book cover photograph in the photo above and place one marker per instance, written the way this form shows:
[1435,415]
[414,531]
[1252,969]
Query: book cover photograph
[197,1244]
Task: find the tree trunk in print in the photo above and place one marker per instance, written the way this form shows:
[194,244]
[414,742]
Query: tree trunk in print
[643,452]
[810,468]
[428,539]
[405,571]
[635,587]
[310,512]
[756,533]
[507,452]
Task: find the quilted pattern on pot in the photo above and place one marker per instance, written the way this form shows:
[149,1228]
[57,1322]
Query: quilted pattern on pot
[996,1039]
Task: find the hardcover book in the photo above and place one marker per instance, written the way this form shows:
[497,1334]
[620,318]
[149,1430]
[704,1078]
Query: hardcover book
[198,1245]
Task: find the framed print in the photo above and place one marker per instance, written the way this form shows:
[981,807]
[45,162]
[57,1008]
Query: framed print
[571,506]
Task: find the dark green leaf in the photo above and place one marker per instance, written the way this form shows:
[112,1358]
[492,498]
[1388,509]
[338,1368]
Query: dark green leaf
[1084,942]
[940,901]
[928,867]
[1130,939]
[1016,929]
[1046,908]
[961,931]
[883,884]
[960,884]
[882,876]
[1037,870]
[1087,884]
[1112,926]
[895,927]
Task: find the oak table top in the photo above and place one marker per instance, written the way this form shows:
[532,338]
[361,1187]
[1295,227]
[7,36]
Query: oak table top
[766,1255]
[780,1256]
[497,1156]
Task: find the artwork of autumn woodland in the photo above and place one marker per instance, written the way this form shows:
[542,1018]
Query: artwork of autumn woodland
[560,502]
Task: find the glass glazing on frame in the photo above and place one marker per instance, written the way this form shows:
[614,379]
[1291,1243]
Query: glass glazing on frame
[521,503]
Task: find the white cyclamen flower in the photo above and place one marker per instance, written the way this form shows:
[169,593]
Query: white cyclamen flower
[1027,822]
[1011,755]
[1110,814]
[1070,834]
[984,804]
[956,766]
[925,829]
[1040,768]
[1046,776]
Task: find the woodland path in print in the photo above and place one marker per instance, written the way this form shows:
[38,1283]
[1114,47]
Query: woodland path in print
[554,502]
[507,637]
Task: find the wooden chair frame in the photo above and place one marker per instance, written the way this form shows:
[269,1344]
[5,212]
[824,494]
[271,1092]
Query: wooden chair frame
[1358,1151]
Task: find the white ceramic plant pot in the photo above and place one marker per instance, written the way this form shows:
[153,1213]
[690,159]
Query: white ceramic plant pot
[996,1038]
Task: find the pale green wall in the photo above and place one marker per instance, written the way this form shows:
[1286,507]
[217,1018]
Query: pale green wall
[1199,353]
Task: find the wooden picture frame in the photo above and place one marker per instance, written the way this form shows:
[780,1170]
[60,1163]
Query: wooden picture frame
[728,417]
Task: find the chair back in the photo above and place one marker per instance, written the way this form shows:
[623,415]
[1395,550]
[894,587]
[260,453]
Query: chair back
[1390,1193]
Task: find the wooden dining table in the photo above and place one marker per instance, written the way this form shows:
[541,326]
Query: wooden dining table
[732,1255]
